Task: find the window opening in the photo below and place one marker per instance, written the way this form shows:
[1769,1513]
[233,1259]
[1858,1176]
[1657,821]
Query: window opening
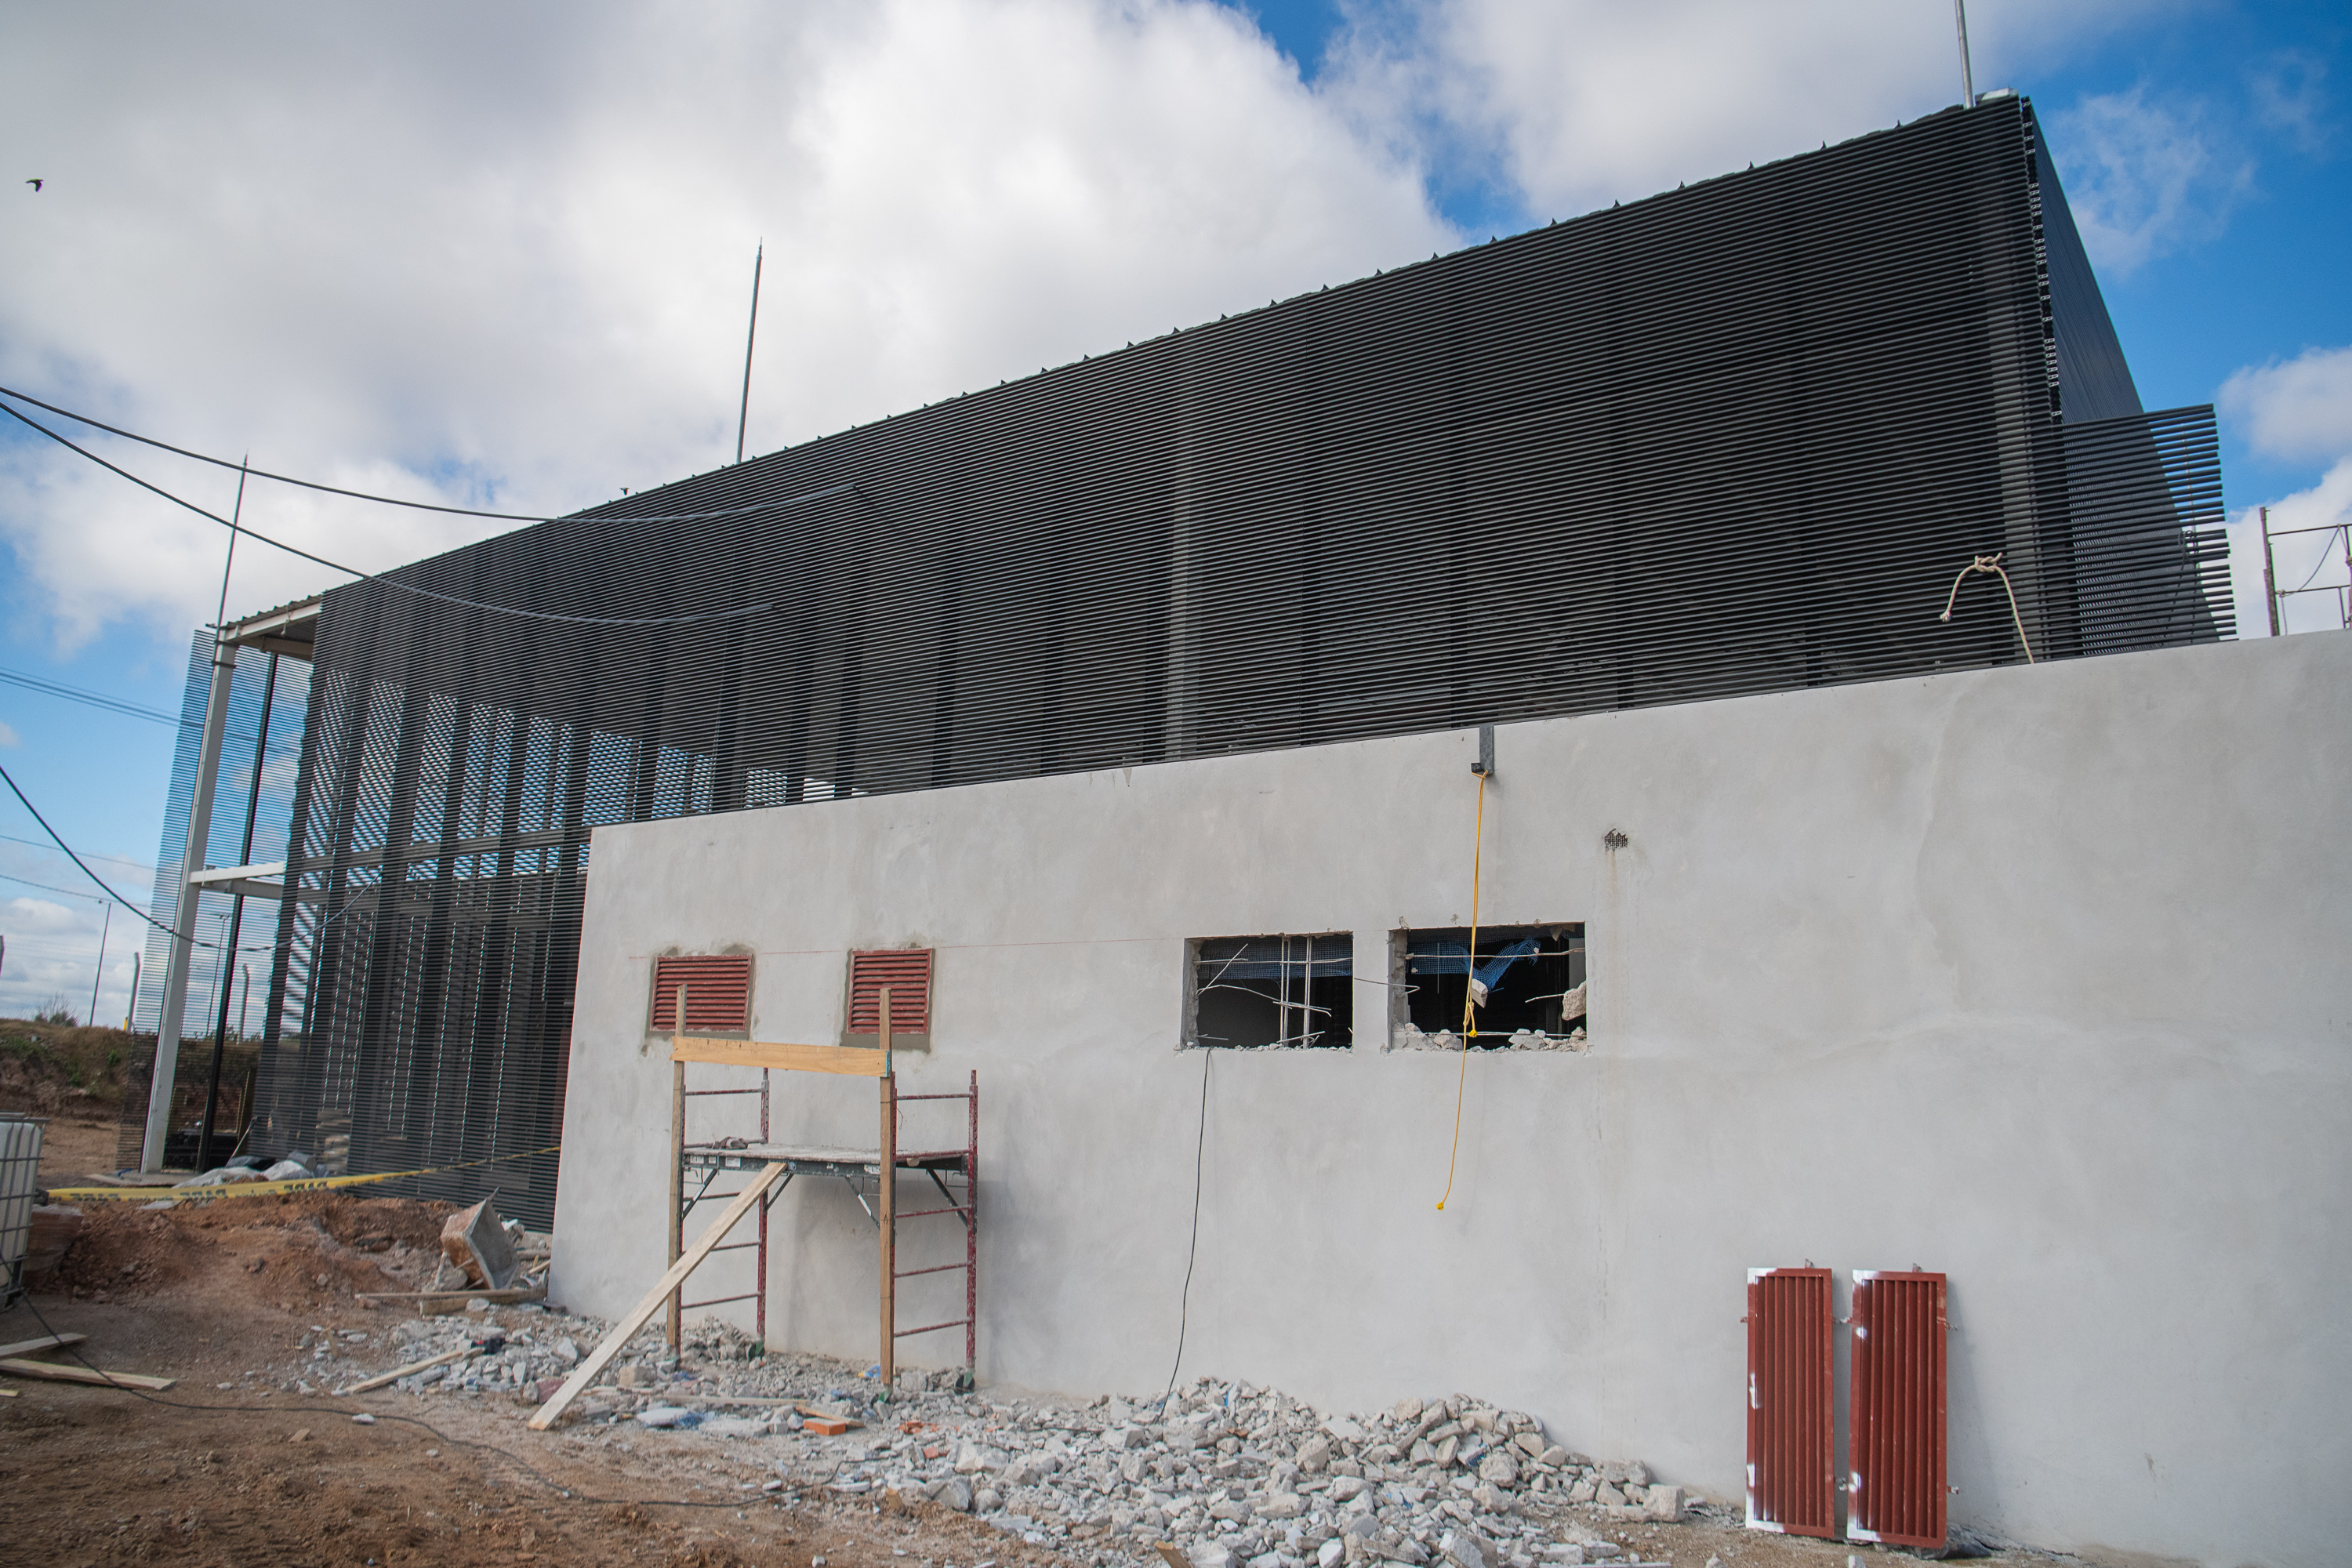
[1526,983]
[1259,993]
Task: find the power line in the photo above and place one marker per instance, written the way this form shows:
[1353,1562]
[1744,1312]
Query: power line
[91,699]
[235,527]
[118,859]
[354,495]
[117,897]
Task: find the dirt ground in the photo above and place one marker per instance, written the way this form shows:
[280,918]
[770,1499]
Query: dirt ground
[230,1468]
[74,1148]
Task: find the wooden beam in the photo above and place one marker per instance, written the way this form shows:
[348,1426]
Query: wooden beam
[855,1061]
[887,1205]
[396,1374]
[46,1342]
[509,1297]
[642,1313]
[55,1373]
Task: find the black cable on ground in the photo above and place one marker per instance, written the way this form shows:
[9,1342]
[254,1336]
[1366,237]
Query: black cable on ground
[1184,1302]
[380,1417]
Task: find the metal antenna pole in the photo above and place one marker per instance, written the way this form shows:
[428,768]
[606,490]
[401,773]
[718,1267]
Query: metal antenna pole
[1968,82]
[2270,574]
[750,336]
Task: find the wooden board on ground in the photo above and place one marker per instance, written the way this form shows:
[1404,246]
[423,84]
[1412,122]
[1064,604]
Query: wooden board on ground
[46,1342]
[639,1315]
[855,1061]
[54,1372]
[396,1374]
[506,1298]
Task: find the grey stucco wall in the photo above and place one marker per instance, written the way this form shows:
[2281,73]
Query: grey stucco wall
[2031,975]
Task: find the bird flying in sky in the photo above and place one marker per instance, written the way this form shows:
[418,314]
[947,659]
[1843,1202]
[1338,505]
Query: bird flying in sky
[37,185]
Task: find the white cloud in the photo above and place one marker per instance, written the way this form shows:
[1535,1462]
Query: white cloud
[503,256]
[2298,410]
[1580,103]
[2143,178]
[7,736]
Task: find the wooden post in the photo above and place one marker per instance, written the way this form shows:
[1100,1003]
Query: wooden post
[677,1168]
[2270,575]
[887,1205]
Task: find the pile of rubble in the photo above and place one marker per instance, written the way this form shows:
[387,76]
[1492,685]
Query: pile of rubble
[1227,1473]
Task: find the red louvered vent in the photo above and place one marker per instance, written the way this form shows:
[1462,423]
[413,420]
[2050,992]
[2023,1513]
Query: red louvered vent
[906,971]
[717,994]
[1896,1493]
[1792,1412]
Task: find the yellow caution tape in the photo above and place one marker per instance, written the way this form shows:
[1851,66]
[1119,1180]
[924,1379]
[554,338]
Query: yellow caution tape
[267,1189]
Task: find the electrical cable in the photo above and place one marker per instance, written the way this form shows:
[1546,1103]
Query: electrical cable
[117,897]
[92,699]
[236,528]
[1462,1081]
[379,1416]
[1192,1249]
[118,859]
[355,495]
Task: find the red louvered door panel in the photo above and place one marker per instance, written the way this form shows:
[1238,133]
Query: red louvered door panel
[1791,1410]
[1894,1439]
[717,994]
[906,971]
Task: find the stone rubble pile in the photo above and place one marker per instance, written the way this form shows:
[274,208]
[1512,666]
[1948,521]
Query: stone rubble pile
[1233,1475]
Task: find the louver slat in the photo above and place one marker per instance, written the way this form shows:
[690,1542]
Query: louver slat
[907,972]
[1792,1466]
[717,994]
[1896,1491]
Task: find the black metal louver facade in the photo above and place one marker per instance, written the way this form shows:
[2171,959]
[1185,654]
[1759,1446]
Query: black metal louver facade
[1737,439]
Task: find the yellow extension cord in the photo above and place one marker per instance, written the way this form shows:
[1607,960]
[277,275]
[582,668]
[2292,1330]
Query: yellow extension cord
[1477,841]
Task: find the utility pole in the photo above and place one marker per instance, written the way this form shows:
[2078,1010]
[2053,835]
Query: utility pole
[104,926]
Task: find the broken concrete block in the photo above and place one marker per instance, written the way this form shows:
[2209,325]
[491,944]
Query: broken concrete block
[1531,1444]
[1553,1457]
[1211,1556]
[1281,1505]
[954,1492]
[1345,1488]
[1462,1550]
[1621,1471]
[1332,1553]
[1407,1409]
[476,1241]
[1665,1503]
[1314,1455]
[1346,1430]
[1447,1448]
[1493,1498]
[1498,1469]
[1609,1495]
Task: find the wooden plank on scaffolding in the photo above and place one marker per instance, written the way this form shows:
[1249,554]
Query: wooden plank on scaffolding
[853,1061]
[642,1313]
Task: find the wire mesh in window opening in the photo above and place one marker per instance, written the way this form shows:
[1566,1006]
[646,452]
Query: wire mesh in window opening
[1526,984]
[1258,993]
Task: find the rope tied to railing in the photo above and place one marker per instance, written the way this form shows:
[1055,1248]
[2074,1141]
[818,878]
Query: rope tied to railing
[1990,565]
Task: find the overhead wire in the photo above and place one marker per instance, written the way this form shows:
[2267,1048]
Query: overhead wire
[126,903]
[236,528]
[349,494]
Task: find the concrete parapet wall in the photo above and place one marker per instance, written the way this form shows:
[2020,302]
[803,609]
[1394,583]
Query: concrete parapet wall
[2030,976]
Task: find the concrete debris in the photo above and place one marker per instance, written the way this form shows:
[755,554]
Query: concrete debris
[478,1243]
[1411,1038]
[1224,1473]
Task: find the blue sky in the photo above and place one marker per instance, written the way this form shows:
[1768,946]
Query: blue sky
[515,277]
